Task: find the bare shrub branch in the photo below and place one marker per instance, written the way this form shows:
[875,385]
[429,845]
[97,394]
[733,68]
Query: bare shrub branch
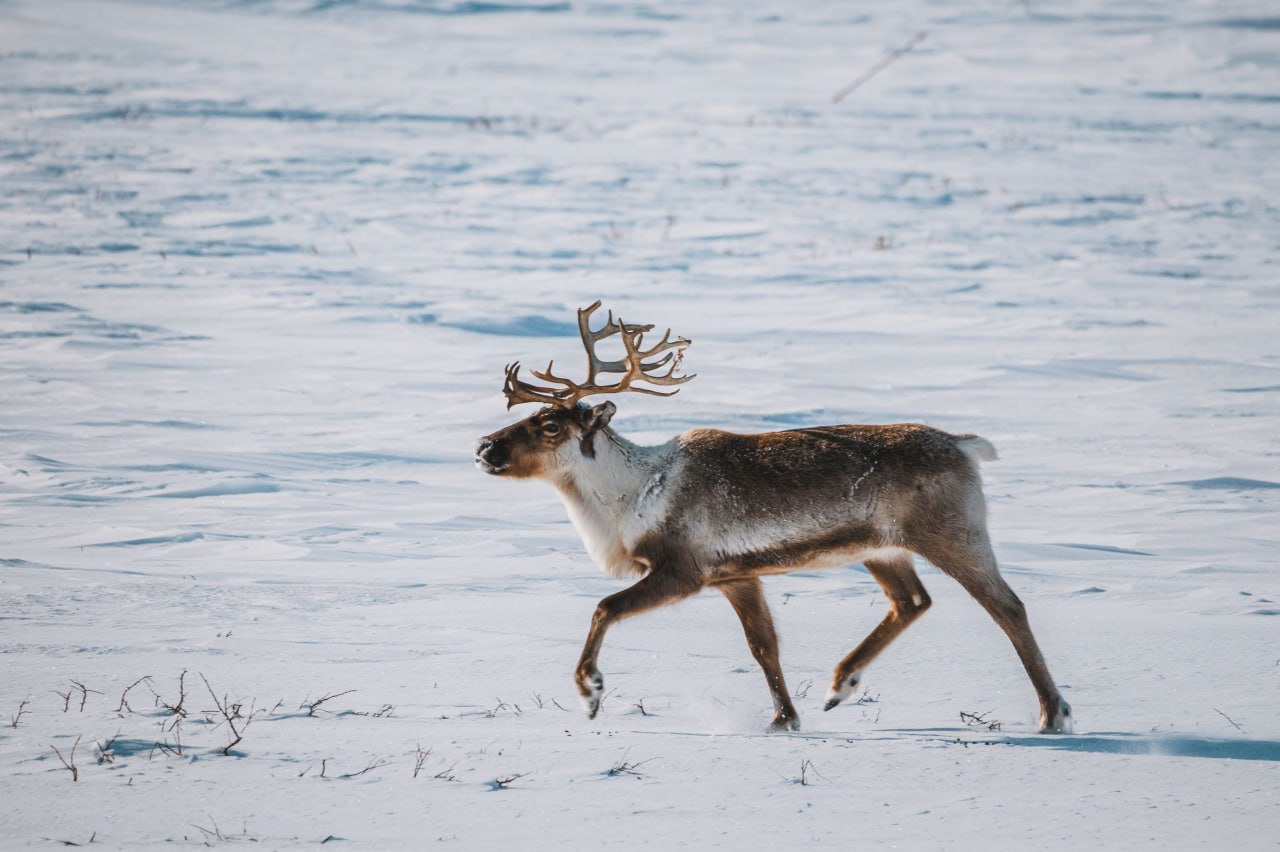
[105,755]
[506,781]
[180,709]
[84,693]
[502,705]
[373,764]
[878,67]
[314,706]
[626,767]
[419,758]
[22,711]
[808,767]
[172,727]
[124,704]
[230,714]
[69,764]
[215,834]
[1228,718]
[981,720]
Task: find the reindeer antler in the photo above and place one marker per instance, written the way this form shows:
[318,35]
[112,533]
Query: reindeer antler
[633,365]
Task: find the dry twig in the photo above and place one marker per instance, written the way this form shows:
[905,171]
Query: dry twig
[230,713]
[373,764]
[980,720]
[124,704]
[70,764]
[420,758]
[104,750]
[878,67]
[626,767]
[179,710]
[506,781]
[1228,718]
[313,706]
[805,769]
[84,693]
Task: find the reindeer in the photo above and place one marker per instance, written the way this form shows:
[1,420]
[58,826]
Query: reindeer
[718,509]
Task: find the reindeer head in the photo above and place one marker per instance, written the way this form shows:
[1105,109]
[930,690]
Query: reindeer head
[565,428]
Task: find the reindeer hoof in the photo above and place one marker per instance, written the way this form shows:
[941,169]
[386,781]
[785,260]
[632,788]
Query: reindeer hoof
[591,690]
[785,723]
[842,689]
[1061,723]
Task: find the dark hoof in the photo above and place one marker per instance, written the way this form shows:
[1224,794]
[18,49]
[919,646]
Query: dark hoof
[781,725]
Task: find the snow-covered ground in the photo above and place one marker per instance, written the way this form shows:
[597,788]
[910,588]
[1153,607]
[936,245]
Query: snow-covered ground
[261,264]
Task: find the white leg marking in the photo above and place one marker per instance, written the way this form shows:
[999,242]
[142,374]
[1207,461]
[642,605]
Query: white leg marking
[591,701]
[1064,722]
[841,690]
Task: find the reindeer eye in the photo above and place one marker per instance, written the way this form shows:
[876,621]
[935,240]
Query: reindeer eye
[551,429]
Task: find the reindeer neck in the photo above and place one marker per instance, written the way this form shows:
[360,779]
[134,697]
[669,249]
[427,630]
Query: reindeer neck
[616,472]
[614,497]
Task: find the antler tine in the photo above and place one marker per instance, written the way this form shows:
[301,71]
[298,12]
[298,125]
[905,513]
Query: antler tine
[518,391]
[547,376]
[641,370]
[632,366]
[664,345]
[595,364]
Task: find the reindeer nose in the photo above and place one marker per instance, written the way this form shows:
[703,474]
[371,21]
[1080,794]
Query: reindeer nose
[490,457]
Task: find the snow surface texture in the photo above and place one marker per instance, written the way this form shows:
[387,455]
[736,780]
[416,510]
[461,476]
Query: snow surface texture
[261,264]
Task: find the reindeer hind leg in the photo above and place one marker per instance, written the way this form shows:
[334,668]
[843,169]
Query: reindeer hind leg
[747,599]
[908,600]
[969,559]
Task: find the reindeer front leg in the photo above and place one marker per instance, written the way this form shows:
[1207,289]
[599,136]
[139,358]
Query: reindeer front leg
[657,588]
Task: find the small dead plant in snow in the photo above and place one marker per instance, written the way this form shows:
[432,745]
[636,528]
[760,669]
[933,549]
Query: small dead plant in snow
[981,720]
[70,764]
[627,767]
[231,714]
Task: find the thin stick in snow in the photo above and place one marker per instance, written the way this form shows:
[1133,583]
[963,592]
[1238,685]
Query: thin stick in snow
[84,693]
[878,67]
[230,713]
[70,764]
[1228,718]
[419,759]
[313,706]
[124,705]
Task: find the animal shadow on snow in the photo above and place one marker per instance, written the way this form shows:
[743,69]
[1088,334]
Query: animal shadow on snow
[1170,745]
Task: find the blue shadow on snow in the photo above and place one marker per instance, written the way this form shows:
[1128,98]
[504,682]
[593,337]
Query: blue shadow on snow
[1171,745]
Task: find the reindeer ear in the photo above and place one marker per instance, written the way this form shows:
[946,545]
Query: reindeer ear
[599,416]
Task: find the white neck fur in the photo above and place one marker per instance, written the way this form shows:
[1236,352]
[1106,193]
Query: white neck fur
[615,496]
